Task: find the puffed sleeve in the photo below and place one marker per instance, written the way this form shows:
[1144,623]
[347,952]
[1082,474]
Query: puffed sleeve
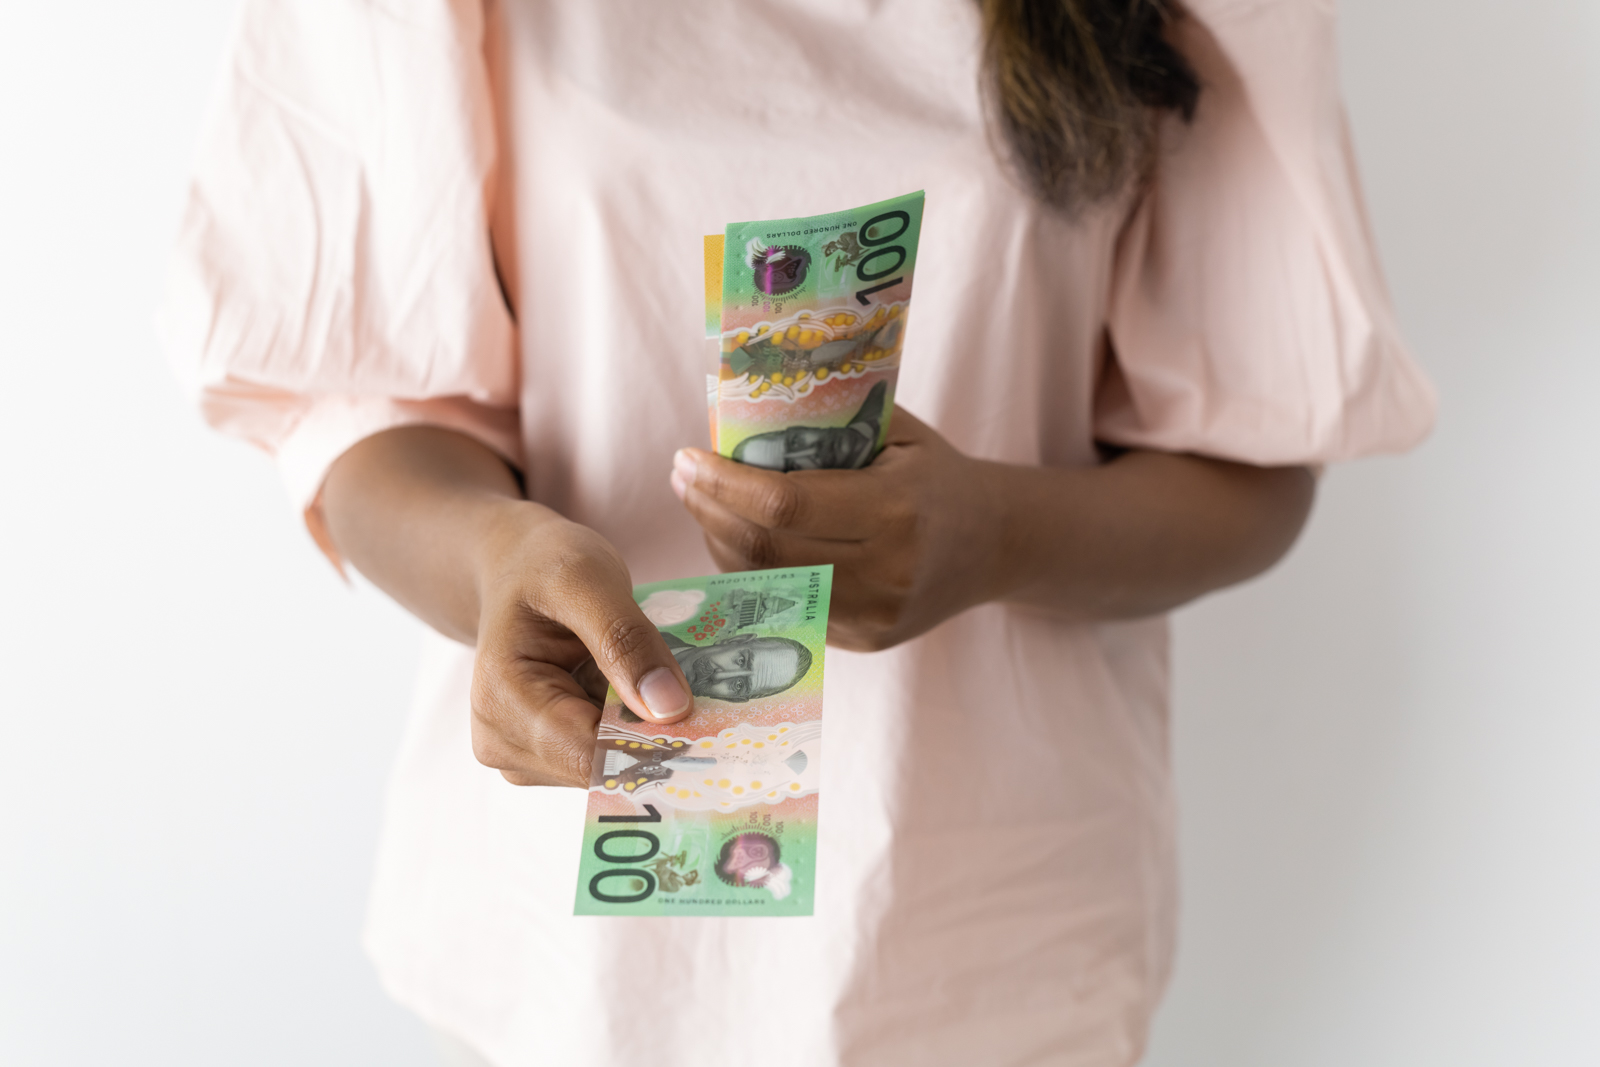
[1248,316]
[334,274]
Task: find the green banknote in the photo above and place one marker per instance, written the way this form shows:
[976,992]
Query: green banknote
[810,319]
[717,814]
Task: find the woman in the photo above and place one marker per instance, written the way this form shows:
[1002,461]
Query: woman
[440,259]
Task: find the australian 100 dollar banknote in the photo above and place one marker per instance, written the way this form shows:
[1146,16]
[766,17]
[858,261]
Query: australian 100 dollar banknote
[717,814]
[809,323]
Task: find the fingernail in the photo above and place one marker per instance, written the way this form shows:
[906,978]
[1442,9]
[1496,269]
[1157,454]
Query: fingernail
[677,483]
[685,466]
[664,696]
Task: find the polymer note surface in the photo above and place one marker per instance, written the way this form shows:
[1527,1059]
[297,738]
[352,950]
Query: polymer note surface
[810,322]
[717,814]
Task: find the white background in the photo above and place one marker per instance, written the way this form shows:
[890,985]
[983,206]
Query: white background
[1388,751]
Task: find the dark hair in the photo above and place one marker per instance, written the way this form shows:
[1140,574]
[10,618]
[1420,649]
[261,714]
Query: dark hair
[1075,86]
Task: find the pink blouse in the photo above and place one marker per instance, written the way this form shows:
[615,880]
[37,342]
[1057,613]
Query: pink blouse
[486,215]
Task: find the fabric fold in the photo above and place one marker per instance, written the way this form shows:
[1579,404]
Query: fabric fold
[334,274]
[1248,316]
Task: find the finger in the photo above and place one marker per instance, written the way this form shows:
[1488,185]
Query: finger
[831,505]
[758,547]
[553,745]
[598,607]
[731,556]
[593,682]
[865,616]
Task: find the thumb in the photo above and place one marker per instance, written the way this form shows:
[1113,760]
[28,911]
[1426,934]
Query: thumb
[633,656]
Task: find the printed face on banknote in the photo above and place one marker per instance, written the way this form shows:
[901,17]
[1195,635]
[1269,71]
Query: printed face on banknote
[743,668]
[810,448]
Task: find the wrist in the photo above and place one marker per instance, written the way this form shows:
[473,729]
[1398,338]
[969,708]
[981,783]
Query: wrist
[508,529]
[1034,524]
[1002,509]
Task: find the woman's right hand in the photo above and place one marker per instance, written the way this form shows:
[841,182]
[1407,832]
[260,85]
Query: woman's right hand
[558,621]
[436,520]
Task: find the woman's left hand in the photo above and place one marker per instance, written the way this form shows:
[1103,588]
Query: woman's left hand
[914,538]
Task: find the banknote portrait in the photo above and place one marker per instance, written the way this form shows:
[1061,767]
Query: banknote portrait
[799,448]
[738,669]
[743,667]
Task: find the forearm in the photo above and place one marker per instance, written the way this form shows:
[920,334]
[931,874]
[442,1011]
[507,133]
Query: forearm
[418,510]
[1142,534]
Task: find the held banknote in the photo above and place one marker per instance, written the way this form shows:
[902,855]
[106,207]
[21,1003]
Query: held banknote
[809,323]
[717,814]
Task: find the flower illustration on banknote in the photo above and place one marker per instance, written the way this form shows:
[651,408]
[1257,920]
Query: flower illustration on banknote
[669,607]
